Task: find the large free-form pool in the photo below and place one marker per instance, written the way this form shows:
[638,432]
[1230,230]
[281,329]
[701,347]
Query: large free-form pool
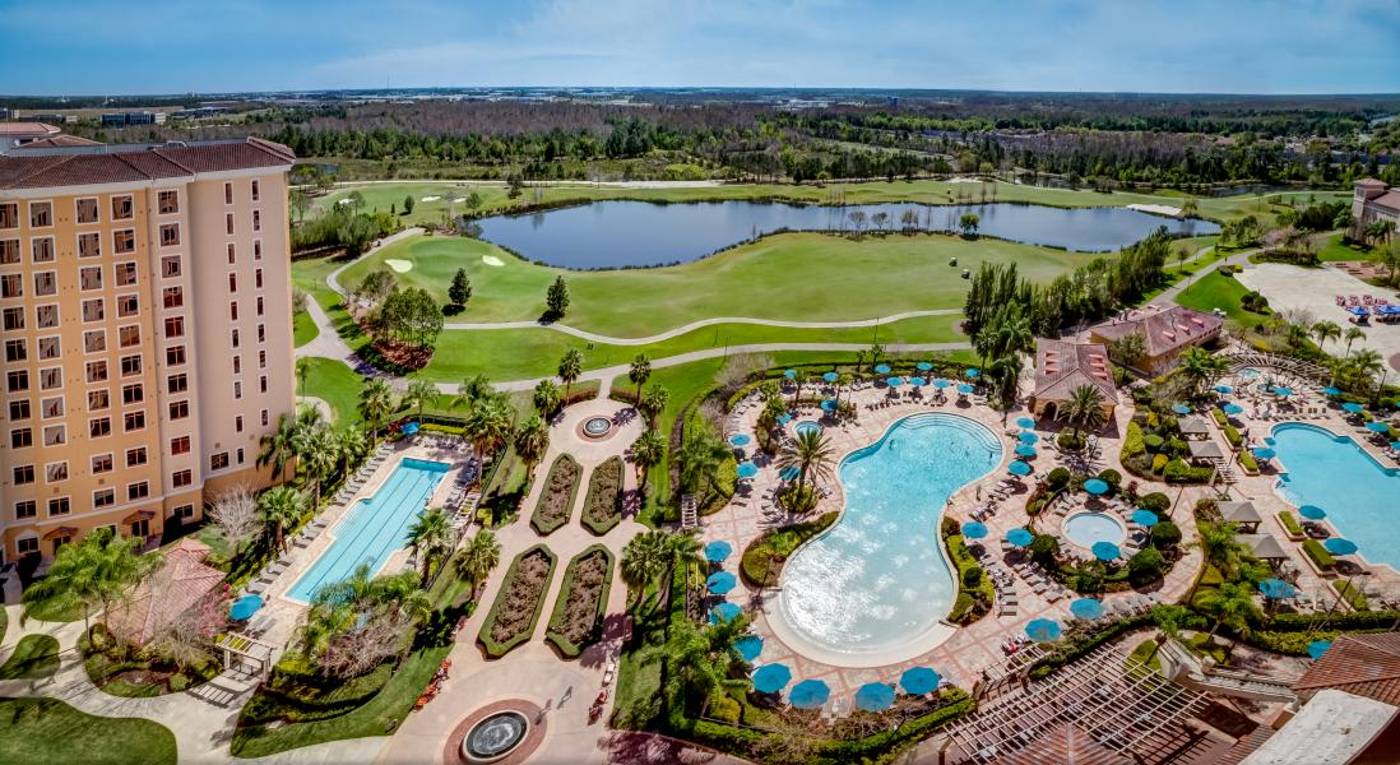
[878,581]
[1362,498]
[374,528]
[618,234]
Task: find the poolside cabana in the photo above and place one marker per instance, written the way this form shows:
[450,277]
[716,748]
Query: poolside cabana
[1263,547]
[162,598]
[1193,427]
[1061,367]
[1205,451]
[1242,514]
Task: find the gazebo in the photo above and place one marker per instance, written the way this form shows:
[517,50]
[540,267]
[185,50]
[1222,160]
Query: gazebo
[1205,451]
[1242,514]
[1264,547]
[1193,427]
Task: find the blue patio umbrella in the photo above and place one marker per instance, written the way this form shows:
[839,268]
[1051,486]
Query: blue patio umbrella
[789,473]
[1351,407]
[1096,486]
[747,469]
[1276,589]
[771,678]
[1144,517]
[882,369]
[790,374]
[1025,450]
[894,382]
[410,428]
[1025,423]
[1263,453]
[1086,608]
[1395,445]
[1043,630]
[875,697]
[724,612]
[1317,648]
[1339,546]
[739,439]
[244,608]
[1312,512]
[1019,468]
[974,373]
[830,377]
[718,550]
[1232,409]
[784,418]
[829,405]
[974,530]
[940,383]
[918,382]
[721,582]
[1376,426]
[1020,537]
[1283,391]
[919,680]
[1224,389]
[1106,551]
[1181,409]
[749,647]
[923,366]
[809,694]
[965,389]
[1330,391]
[1028,437]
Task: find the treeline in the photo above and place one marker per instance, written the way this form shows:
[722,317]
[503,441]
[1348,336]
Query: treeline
[344,226]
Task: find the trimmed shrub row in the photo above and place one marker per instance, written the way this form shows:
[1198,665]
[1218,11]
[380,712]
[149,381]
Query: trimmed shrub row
[602,508]
[583,600]
[1319,554]
[518,605]
[556,500]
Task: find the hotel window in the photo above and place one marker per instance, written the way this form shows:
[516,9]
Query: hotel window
[87,210]
[24,474]
[126,274]
[15,351]
[239,453]
[218,461]
[169,234]
[17,380]
[51,408]
[45,283]
[257,249]
[94,310]
[46,316]
[181,478]
[9,252]
[260,305]
[257,220]
[9,215]
[124,241]
[133,421]
[49,348]
[265,417]
[257,278]
[131,365]
[262,333]
[90,278]
[98,400]
[232,255]
[170,266]
[136,456]
[42,249]
[19,410]
[262,383]
[228,223]
[168,202]
[262,359]
[180,445]
[21,438]
[51,378]
[27,546]
[97,371]
[184,511]
[104,498]
[129,336]
[99,427]
[27,508]
[238,389]
[177,383]
[55,435]
[133,393]
[175,355]
[59,506]
[233,282]
[122,208]
[102,463]
[55,472]
[89,245]
[40,214]
[234,337]
[237,364]
[174,326]
[127,305]
[228,193]
[233,311]
[238,424]
[179,410]
[256,194]
[173,297]
[11,285]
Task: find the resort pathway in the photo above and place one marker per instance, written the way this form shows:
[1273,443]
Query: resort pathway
[1168,296]
[333,279]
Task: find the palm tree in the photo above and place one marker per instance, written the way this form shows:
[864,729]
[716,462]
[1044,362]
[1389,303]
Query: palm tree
[1084,409]
[319,460]
[1005,372]
[303,370]
[472,390]
[653,403]
[376,404]
[531,442]
[1352,335]
[798,379]
[351,447]
[94,572]
[686,552]
[1200,367]
[482,554]
[644,558]
[638,373]
[420,393]
[1367,364]
[647,452]
[546,398]
[1232,605]
[570,368]
[281,507]
[811,454]
[1326,330]
[431,537]
[277,448]
[700,457]
[489,425]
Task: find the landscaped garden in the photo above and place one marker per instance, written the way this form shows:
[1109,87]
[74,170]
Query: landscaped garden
[515,613]
[602,506]
[121,669]
[577,620]
[762,561]
[556,500]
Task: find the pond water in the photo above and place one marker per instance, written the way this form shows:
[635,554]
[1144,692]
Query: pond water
[619,234]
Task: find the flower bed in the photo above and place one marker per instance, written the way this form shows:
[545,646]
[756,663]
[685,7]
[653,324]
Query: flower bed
[556,500]
[517,608]
[583,600]
[123,670]
[602,508]
[1318,554]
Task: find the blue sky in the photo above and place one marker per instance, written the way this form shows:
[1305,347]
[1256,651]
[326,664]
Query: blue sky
[163,46]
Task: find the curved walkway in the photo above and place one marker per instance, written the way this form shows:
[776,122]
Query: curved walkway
[333,278]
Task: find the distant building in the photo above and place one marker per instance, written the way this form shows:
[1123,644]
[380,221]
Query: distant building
[14,134]
[129,119]
[1062,367]
[1373,201]
[4,113]
[53,118]
[1166,332]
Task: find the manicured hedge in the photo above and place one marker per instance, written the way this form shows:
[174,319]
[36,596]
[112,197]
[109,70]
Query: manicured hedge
[513,589]
[1133,441]
[555,634]
[602,508]
[1290,523]
[556,500]
[1248,462]
[773,546]
[1351,595]
[1319,554]
[971,604]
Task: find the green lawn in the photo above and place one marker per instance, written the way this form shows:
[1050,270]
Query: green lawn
[338,385]
[50,731]
[799,277]
[304,329]
[1216,290]
[35,656]
[1334,249]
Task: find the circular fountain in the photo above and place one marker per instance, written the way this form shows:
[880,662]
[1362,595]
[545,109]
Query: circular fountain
[596,428]
[495,736]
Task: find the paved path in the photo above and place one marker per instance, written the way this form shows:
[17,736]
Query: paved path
[333,279]
[1168,295]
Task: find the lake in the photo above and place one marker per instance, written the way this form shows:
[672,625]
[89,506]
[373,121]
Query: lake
[619,234]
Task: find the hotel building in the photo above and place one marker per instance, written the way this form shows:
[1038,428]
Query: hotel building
[145,295]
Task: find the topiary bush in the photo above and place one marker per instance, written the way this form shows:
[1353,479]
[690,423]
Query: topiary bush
[1070,442]
[1165,534]
[1113,478]
[1058,478]
[1153,443]
[1157,502]
[1146,566]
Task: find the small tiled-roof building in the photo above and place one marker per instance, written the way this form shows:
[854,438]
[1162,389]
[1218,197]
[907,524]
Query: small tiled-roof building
[1061,367]
[1166,334]
[176,587]
[1364,665]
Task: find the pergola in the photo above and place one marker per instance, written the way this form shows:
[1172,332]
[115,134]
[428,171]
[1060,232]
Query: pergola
[1099,709]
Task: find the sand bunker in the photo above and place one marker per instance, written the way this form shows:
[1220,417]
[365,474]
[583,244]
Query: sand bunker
[964,180]
[344,201]
[458,200]
[1157,209]
[431,199]
[399,266]
[492,260]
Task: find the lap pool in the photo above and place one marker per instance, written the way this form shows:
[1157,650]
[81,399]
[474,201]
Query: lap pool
[1339,476]
[374,528]
[877,583]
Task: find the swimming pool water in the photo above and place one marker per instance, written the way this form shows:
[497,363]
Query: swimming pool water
[878,579]
[1362,498]
[1084,529]
[807,426]
[375,527]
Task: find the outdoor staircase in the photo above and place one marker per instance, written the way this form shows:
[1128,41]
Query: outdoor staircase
[690,517]
[1186,669]
[1225,472]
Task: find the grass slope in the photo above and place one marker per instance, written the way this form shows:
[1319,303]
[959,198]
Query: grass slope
[1215,290]
[35,656]
[48,730]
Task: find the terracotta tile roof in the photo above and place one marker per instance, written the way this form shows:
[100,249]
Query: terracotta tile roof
[27,128]
[1246,746]
[1067,744]
[57,141]
[1389,200]
[86,165]
[1370,183]
[1061,367]
[174,588]
[1363,665]
[1164,330]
